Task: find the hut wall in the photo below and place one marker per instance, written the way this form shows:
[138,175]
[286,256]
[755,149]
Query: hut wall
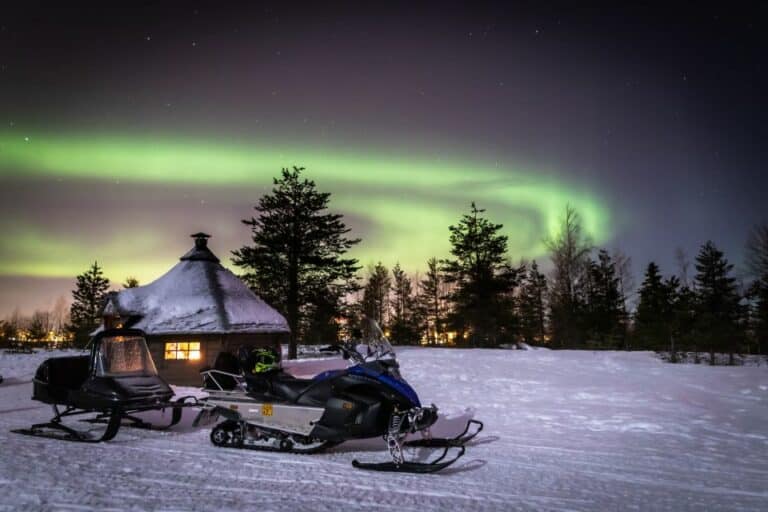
[186,372]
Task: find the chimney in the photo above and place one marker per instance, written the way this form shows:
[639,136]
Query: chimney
[200,252]
[201,240]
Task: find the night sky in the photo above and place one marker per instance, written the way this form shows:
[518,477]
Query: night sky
[122,131]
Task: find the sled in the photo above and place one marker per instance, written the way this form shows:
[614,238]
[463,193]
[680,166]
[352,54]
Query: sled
[117,380]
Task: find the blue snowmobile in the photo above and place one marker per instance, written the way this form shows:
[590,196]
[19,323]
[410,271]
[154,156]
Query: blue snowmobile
[265,408]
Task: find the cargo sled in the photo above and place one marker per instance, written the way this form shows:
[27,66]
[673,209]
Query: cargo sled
[117,380]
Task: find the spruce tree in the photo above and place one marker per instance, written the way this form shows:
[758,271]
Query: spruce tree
[654,314]
[484,281]
[604,319]
[39,325]
[131,282]
[88,299]
[757,265]
[376,294]
[298,250]
[432,302]
[532,305]
[404,321]
[321,317]
[683,328]
[717,301]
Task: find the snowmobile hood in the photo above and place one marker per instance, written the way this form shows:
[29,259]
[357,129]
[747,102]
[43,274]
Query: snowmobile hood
[397,383]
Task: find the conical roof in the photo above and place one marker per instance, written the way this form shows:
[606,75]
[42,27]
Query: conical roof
[196,296]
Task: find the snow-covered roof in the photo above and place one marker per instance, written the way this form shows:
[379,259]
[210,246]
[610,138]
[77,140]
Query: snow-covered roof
[196,296]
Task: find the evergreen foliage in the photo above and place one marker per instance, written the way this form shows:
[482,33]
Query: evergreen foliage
[655,311]
[88,300]
[533,306]
[717,302]
[406,317]
[297,260]
[484,282]
[432,303]
[376,294]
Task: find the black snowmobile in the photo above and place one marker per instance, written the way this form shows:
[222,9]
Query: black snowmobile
[116,380]
[267,409]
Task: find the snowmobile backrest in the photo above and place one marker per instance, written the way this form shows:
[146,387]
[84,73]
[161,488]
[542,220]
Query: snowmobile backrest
[220,380]
[227,362]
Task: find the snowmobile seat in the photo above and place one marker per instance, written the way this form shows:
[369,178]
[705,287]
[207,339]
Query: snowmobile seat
[277,385]
[58,377]
[290,388]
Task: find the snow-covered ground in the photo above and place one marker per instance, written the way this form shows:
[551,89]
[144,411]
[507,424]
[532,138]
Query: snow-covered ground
[564,431]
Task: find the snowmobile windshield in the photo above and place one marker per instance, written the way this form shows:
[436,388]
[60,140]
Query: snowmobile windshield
[124,355]
[375,342]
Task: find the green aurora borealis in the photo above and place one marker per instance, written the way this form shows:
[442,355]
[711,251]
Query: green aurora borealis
[404,201]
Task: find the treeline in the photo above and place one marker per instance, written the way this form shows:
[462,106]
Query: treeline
[43,326]
[298,262]
[478,298]
[67,323]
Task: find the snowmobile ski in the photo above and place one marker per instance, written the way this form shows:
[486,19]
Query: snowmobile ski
[413,467]
[55,429]
[459,440]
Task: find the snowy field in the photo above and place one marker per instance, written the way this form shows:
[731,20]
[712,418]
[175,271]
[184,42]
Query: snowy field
[564,431]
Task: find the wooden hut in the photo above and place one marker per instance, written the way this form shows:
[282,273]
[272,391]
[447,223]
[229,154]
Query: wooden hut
[193,312]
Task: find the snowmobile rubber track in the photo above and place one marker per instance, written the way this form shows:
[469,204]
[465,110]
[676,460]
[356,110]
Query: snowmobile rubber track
[241,444]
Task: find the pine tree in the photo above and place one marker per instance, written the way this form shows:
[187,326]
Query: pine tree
[131,282]
[39,326]
[654,315]
[532,306]
[683,329]
[376,294]
[758,315]
[298,252]
[321,317]
[604,320]
[88,299]
[569,251]
[483,303]
[717,301]
[757,265]
[432,302]
[404,324]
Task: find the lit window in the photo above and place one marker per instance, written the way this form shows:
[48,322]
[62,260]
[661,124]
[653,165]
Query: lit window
[183,350]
